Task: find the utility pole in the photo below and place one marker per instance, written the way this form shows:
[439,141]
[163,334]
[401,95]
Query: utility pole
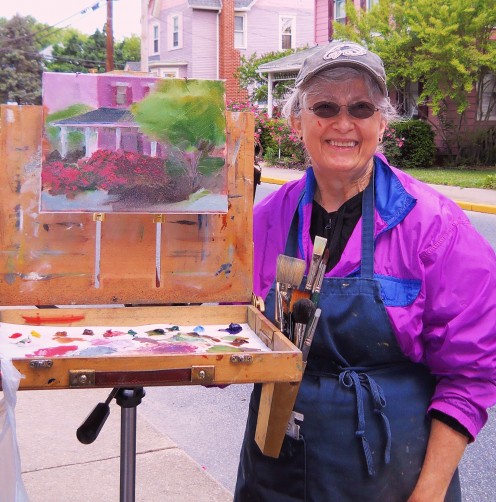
[109,64]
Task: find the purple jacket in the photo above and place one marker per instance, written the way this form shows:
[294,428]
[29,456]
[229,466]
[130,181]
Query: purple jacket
[437,276]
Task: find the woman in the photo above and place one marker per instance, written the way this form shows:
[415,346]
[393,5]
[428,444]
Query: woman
[402,366]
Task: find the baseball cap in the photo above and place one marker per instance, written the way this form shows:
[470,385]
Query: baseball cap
[342,53]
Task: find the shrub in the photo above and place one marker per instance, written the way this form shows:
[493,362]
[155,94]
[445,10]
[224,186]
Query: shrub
[279,142]
[490,181]
[418,148]
[478,148]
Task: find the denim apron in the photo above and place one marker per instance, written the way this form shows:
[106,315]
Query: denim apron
[364,433]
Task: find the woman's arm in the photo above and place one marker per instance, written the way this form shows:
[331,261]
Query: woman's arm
[444,452]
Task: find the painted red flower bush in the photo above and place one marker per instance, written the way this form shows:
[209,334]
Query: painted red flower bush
[113,171]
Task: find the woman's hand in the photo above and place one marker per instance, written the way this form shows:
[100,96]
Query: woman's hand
[444,452]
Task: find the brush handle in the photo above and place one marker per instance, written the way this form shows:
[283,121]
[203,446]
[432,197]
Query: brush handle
[308,336]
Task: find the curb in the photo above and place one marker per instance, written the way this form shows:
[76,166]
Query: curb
[467,206]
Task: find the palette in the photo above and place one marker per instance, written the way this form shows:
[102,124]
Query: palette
[184,270]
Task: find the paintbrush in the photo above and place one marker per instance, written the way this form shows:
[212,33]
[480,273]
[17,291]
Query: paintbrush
[302,312]
[308,336]
[289,274]
[319,244]
[319,277]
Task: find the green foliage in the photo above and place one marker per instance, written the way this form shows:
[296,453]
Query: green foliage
[446,47]
[20,63]
[277,140]
[184,113]
[249,79]
[490,182]
[187,115]
[53,133]
[478,147]
[417,148]
[81,53]
[127,50]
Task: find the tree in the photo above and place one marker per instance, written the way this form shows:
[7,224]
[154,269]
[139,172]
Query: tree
[20,62]
[249,79]
[128,50]
[188,117]
[445,46]
[81,53]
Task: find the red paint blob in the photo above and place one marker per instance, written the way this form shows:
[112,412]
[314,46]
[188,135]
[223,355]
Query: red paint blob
[54,351]
[15,335]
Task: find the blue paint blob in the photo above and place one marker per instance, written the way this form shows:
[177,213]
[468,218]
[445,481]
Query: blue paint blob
[233,328]
[96,351]
[199,329]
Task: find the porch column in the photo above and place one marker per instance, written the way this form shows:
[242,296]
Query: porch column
[270,104]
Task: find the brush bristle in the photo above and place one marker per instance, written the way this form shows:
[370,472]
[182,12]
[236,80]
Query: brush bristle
[319,244]
[290,271]
[303,311]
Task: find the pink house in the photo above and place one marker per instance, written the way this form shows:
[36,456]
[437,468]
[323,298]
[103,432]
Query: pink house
[107,123]
[201,38]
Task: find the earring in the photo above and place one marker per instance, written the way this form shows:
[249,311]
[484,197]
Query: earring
[301,138]
[380,139]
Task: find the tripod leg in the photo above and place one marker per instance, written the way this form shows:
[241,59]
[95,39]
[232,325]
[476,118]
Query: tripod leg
[128,399]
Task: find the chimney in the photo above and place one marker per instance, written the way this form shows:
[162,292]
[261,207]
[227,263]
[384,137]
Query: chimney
[229,57]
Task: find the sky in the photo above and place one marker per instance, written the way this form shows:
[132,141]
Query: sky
[126,14]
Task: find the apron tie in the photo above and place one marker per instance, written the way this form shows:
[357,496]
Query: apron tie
[349,378]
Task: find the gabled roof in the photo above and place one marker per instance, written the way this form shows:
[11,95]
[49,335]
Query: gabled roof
[100,116]
[289,63]
[217,4]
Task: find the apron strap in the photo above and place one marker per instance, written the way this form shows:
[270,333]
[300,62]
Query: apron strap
[349,378]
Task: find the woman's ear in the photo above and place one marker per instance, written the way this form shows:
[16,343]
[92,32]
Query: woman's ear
[296,126]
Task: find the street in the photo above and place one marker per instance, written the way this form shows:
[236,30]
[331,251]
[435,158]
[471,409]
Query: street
[208,424]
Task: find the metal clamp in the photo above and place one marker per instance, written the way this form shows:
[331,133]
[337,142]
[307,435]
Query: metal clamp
[241,358]
[293,429]
[81,378]
[41,364]
[203,375]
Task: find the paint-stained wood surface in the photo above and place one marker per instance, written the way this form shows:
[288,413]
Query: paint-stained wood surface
[50,259]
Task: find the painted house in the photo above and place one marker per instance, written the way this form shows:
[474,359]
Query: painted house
[108,124]
[205,38]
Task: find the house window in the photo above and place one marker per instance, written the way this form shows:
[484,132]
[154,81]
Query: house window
[123,94]
[487,98]
[287,32]
[175,31]
[168,73]
[240,31]
[339,11]
[155,39]
[371,3]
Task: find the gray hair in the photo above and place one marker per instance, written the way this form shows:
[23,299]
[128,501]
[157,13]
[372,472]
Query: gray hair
[295,103]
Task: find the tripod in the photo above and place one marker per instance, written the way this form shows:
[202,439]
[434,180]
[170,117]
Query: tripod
[128,399]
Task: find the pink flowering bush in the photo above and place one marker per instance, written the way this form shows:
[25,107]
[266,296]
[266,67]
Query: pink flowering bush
[280,144]
[392,145]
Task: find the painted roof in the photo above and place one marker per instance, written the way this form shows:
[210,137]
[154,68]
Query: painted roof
[100,116]
[217,4]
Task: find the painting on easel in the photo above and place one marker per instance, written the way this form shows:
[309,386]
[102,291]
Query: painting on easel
[116,143]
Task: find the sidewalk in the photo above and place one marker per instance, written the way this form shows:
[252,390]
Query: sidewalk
[57,467]
[470,199]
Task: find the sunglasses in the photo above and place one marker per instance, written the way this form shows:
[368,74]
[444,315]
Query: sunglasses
[328,109]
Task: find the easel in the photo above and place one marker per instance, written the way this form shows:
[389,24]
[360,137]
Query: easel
[206,259]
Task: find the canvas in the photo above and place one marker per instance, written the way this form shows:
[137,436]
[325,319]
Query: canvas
[115,143]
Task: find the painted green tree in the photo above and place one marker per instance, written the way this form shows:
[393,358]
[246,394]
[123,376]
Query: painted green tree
[188,116]
[446,46]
